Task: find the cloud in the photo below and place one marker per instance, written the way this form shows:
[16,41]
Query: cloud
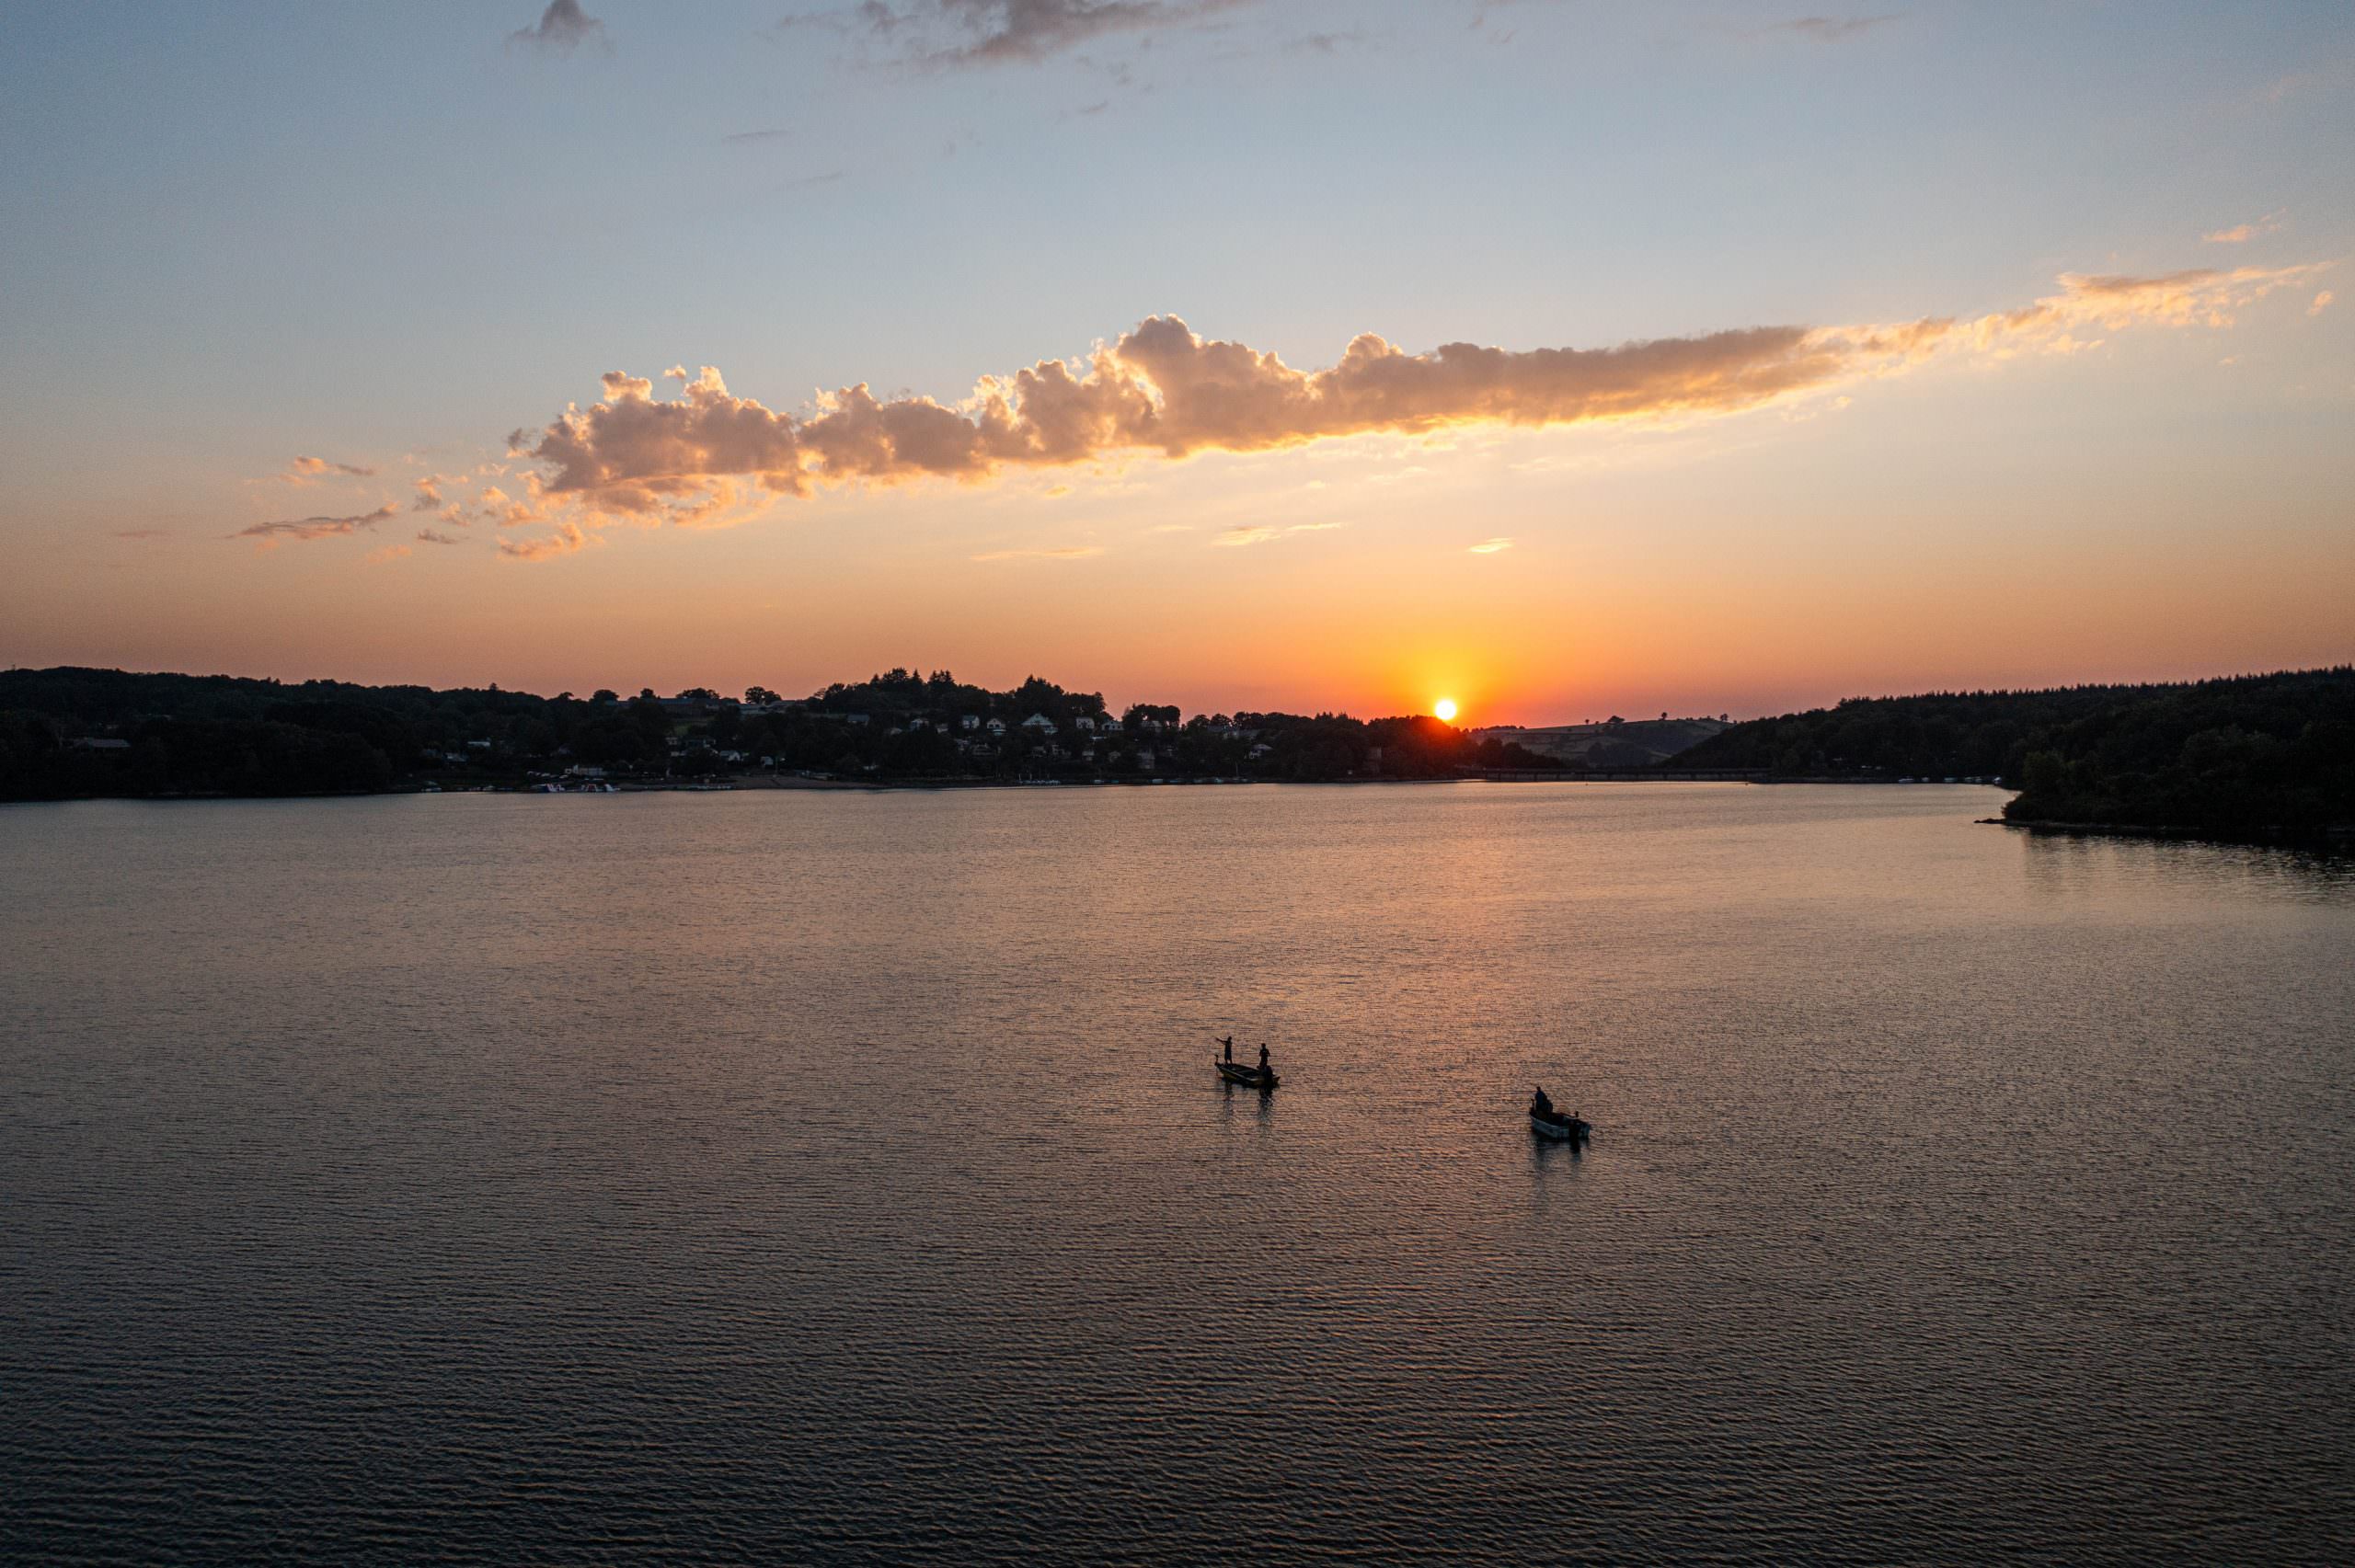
[710,456]
[563,542]
[952,33]
[1832,30]
[308,470]
[1242,535]
[316,527]
[429,493]
[1492,546]
[1067,553]
[430,536]
[387,556]
[2241,234]
[562,28]
[745,138]
[142,534]
[2322,303]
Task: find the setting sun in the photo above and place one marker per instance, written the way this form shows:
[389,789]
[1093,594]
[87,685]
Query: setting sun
[1445,709]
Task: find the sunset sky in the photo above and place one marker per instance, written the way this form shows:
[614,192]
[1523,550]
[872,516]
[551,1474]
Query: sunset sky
[1563,358]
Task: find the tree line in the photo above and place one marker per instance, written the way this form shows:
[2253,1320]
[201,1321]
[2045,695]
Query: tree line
[2242,754]
[67,733]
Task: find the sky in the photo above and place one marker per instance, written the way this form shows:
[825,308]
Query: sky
[1557,357]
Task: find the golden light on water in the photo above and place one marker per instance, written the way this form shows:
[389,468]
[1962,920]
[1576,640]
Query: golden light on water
[1445,709]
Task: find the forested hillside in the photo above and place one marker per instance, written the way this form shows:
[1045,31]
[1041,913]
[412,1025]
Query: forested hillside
[2247,753]
[71,732]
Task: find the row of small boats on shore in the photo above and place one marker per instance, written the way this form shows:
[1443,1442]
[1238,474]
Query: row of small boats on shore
[1545,1120]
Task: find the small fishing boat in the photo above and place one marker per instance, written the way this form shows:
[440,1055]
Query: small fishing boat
[1560,1124]
[1249,1077]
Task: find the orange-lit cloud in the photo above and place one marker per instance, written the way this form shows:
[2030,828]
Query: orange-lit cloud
[316,527]
[1067,553]
[566,538]
[308,470]
[2322,303]
[2241,234]
[709,456]
[1491,546]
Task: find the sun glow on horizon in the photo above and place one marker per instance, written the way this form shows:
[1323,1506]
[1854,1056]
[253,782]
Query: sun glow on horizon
[1444,710]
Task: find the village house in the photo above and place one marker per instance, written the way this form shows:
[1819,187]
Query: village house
[969,721]
[997,726]
[1039,724]
[1085,721]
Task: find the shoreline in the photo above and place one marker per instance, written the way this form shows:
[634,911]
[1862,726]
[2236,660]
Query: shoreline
[2338,839]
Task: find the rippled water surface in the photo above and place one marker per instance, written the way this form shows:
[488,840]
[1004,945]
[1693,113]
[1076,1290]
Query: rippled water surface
[839,1178]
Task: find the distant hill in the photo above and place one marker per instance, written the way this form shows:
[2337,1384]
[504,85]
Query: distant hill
[70,733]
[1618,743]
[2246,753]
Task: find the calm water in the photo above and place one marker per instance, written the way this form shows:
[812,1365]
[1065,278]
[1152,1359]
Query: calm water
[843,1178]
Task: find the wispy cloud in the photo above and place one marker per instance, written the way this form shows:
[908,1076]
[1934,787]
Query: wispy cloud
[746,138]
[316,527]
[1832,30]
[310,470]
[1066,553]
[566,538]
[433,536]
[709,456]
[142,533]
[387,556]
[1265,533]
[944,34]
[2241,234]
[1492,546]
[562,28]
[2322,303]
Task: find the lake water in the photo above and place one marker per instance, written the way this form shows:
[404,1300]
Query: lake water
[792,1176]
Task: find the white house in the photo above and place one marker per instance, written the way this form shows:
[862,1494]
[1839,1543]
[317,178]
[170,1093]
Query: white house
[997,726]
[970,721]
[1111,724]
[1039,724]
[1085,721]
